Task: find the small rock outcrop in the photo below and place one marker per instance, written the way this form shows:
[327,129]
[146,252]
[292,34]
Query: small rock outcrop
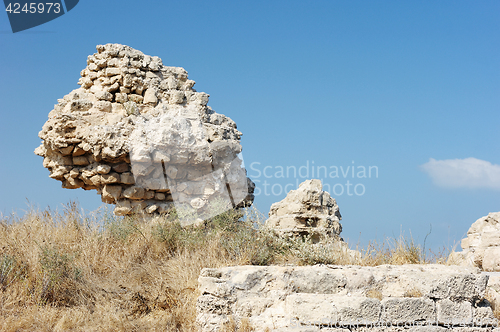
[428,297]
[481,247]
[138,133]
[307,211]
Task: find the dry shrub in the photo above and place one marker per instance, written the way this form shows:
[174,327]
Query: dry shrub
[242,326]
[399,251]
[68,270]
[413,292]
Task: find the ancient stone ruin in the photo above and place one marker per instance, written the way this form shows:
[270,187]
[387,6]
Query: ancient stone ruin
[138,133]
[348,298]
[307,212]
[331,298]
[481,247]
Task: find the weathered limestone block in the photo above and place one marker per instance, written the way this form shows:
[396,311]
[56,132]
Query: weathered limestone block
[491,258]
[124,207]
[67,150]
[72,183]
[307,307]
[448,312]
[330,297]
[408,310]
[127,178]
[110,178]
[136,123]
[120,168]
[482,315]
[103,169]
[134,192]
[80,161]
[111,193]
[74,173]
[360,308]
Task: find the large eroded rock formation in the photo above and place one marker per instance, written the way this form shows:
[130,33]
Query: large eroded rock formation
[138,133]
[307,211]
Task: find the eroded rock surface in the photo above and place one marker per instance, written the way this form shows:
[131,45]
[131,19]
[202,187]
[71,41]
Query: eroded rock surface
[481,247]
[307,211]
[345,298]
[138,133]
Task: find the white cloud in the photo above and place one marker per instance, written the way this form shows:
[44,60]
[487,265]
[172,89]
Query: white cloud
[463,173]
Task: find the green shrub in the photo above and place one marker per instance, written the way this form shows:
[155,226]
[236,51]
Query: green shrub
[121,228]
[57,280]
[10,270]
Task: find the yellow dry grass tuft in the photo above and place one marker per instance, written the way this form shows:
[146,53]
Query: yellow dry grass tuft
[374,294]
[413,292]
[233,326]
[63,271]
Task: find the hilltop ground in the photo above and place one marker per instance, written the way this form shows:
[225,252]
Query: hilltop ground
[62,271]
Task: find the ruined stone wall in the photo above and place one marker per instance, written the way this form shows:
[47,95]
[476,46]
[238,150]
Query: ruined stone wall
[345,298]
[138,133]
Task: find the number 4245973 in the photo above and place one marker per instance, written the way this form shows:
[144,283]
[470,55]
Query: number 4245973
[34,7]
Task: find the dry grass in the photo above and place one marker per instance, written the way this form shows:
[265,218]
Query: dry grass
[243,326]
[374,294]
[413,292]
[399,251]
[68,271]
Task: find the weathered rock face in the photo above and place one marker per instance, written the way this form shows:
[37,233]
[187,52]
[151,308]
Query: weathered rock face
[354,298]
[138,133]
[481,247]
[307,211]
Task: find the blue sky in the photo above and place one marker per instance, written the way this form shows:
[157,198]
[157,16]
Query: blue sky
[389,84]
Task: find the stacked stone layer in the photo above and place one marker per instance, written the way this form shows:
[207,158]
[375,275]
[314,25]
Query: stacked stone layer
[345,298]
[138,133]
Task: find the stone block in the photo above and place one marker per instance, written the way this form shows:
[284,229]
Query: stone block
[491,259]
[312,308]
[80,161]
[127,178]
[111,193]
[454,313]
[67,150]
[483,315]
[121,168]
[103,169]
[408,310]
[134,193]
[110,178]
